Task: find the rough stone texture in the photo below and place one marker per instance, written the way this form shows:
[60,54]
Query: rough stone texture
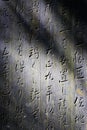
[43,65]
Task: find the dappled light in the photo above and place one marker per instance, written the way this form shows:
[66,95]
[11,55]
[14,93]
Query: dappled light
[43,65]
